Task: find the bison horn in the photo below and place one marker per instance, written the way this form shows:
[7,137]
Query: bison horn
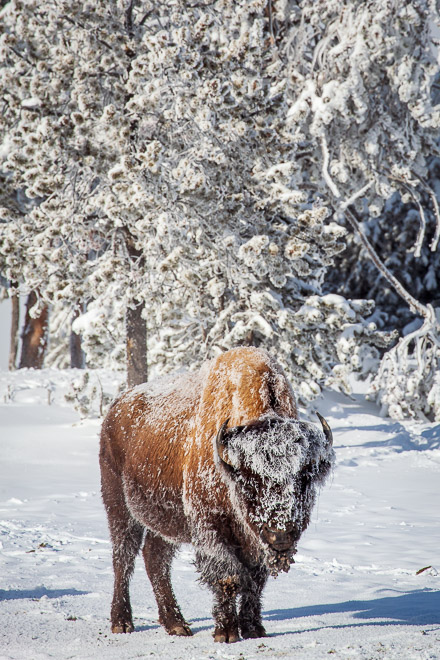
[221,444]
[326,428]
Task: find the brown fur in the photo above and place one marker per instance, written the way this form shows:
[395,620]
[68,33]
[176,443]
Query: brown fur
[163,482]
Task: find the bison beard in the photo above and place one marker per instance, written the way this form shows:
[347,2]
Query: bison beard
[217,459]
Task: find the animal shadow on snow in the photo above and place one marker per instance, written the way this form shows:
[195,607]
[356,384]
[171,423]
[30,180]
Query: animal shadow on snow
[401,439]
[38,592]
[420,607]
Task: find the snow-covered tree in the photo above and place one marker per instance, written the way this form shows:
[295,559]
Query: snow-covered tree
[376,114]
[192,159]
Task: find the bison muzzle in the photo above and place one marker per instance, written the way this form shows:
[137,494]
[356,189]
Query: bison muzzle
[218,459]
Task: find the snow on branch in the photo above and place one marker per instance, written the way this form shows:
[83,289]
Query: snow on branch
[414,304]
[218,135]
[408,381]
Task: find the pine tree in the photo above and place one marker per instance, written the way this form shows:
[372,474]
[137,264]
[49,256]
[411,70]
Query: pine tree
[192,160]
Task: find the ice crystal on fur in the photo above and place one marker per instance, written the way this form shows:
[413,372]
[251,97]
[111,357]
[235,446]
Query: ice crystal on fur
[280,450]
[162,470]
[284,461]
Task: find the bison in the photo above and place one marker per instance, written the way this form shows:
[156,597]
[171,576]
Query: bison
[218,459]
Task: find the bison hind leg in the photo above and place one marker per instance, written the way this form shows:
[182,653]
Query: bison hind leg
[158,555]
[127,542]
[126,536]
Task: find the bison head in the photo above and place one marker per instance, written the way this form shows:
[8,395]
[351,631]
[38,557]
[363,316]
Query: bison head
[274,466]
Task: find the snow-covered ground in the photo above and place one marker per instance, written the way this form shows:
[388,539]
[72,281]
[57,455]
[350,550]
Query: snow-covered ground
[353,593]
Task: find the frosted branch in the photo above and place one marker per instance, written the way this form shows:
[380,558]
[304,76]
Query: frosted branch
[344,205]
[415,305]
[432,195]
[422,230]
[325,162]
[435,240]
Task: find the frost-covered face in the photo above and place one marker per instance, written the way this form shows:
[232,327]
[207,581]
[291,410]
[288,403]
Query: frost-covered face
[275,465]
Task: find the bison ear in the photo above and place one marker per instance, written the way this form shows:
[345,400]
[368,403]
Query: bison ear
[221,444]
[326,428]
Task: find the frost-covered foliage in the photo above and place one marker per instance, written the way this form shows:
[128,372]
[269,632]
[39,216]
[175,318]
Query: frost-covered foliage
[364,76]
[408,381]
[395,235]
[188,157]
[90,392]
[87,395]
[101,330]
[368,77]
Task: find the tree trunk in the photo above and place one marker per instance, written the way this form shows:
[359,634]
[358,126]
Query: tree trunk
[135,325]
[34,336]
[77,357]
[15,326]
[136,343]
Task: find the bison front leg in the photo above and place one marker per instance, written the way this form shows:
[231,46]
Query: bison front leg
[158,555]
[250,606]
[222,577]
[225,610]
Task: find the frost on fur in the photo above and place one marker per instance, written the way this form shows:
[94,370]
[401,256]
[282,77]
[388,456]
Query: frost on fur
[277,466]
[242,496]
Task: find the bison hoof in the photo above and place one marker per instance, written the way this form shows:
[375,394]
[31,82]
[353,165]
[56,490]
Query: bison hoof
[123,627]
[253,633]
[182,630]
[224,636]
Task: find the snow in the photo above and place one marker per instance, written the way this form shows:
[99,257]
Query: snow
[353,592]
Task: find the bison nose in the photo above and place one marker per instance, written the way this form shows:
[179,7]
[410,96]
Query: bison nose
[279,539]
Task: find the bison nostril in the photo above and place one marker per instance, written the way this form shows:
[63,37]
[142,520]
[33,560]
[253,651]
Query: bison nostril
[281,546]
[279,540]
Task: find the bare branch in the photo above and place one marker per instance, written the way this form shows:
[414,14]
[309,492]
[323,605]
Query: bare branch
[84,27]
[145,16]
[129,18]
[270,17]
